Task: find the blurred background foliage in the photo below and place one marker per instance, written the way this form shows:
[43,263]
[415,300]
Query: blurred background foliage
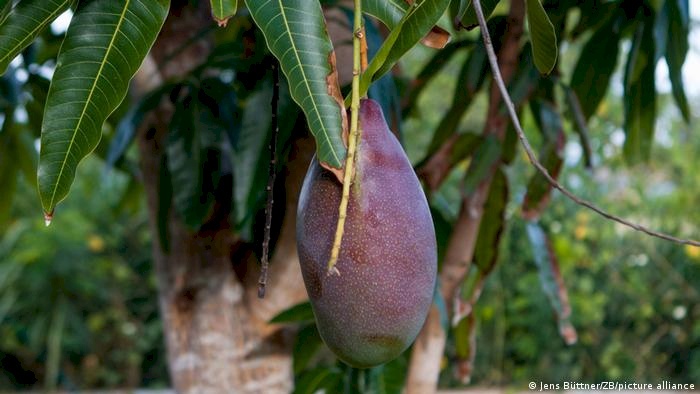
[78,303]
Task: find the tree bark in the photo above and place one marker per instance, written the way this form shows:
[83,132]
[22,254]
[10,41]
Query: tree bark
[424,366]
[216,329]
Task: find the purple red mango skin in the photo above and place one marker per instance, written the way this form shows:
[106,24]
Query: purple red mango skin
[374,309]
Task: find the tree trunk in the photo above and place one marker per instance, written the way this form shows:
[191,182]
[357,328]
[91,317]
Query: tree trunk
[216,333]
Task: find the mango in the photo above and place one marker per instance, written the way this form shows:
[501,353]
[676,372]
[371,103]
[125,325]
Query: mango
[373,310]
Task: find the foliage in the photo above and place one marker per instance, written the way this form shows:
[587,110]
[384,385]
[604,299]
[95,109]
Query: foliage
[217,145]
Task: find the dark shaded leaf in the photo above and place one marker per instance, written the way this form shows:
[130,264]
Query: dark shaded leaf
[306,346]
[640,95]
[466,16]
[551,280]
[595,66]
[678,14]
[539,189]
[544,40]
[297,314]
[465,341]
[578,119]
[492,224]
[127,127]
[485,157]
[321,379]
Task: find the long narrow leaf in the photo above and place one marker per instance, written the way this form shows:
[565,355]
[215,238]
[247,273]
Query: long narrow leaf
[105,44]
[390,13]
[543,37]
[419,19]
[24,23]
[295,32]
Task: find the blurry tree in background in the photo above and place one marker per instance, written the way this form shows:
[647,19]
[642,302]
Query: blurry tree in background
[78,302]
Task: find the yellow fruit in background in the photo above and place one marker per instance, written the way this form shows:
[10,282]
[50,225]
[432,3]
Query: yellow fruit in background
[95,243]
[693,252]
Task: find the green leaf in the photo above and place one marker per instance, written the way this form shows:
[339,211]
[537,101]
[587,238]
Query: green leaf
[640,95]
[319,380]
[297,314]
[485,156]
[185,152]
[579,121]
[466,16]
[595,66]
[295,32]
[105,44]
[126,129]
[676,49]
[222,10]
[544,40]
[551,280]
[24,23]
[306,346]
[419,19]
[389,12]
[539,190]
[5,8]
[492,224]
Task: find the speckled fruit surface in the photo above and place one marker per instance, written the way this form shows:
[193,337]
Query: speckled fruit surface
[373,311]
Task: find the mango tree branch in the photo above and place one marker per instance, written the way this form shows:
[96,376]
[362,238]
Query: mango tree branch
[357,37]
[493,62]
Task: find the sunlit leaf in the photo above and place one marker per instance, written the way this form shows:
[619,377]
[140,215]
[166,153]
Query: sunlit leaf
[419,19]
[295,32]
[544,40]
[104,46]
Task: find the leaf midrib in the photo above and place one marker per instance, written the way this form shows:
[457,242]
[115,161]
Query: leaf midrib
[32,32]
[122,17]
[306,81]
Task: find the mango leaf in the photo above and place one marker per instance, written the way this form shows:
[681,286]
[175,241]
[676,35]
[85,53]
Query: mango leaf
[539,190]
[5,8]
[465,340]
[466,16]
[185,150]
[104,46]
[640,95]
[492,224]
[595,66]
[295,32]
[296,314]
[579,121]
[544,40]
[125,130]
[222,10]
[485,156]
[419,19]
[307,344]
[551,280]
[678,17]
[24,23]
[319,380]
[390,13]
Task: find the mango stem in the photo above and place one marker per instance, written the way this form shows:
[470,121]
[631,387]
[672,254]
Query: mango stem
[353,138]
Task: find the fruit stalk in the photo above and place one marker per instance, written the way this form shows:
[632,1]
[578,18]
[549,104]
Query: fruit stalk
[353,138]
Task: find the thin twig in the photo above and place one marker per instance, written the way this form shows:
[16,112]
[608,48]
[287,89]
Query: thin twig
[357,37]
[493,61]
[265,261]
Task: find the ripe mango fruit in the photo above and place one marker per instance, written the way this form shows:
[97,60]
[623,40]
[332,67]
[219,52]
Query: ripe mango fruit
[373,310]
